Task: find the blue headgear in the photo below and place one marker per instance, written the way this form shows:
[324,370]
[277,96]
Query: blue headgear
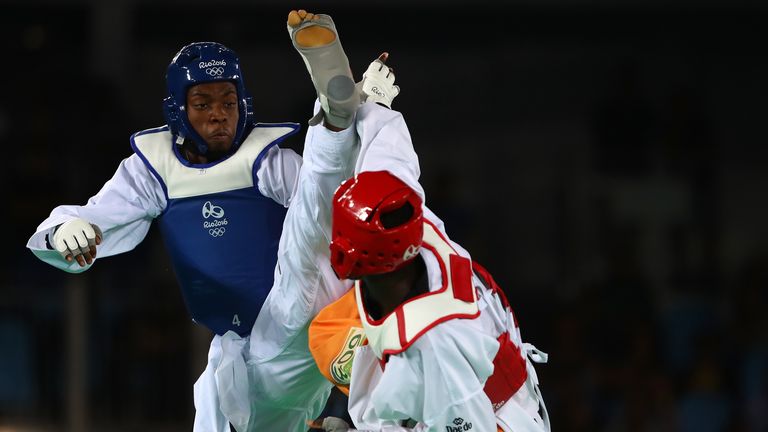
[198,63]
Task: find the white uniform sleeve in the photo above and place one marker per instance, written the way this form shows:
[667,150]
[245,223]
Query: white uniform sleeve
[278,175]
[123,209]
[439,380]
[385,144]
[304,281]
[307,227]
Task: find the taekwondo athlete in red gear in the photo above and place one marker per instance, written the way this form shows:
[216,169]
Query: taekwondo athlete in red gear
[437,347]
[442,349]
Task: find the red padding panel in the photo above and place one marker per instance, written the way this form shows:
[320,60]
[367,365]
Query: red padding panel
[461,278]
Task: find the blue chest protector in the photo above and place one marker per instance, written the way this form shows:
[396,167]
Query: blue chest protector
[221,233]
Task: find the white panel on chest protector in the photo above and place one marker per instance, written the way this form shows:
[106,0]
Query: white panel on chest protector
[231,174]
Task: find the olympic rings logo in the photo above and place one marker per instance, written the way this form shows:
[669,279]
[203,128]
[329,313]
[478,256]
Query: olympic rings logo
[215,71]
[217,232]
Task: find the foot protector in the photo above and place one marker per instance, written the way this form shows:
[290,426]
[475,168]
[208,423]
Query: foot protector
[329,69]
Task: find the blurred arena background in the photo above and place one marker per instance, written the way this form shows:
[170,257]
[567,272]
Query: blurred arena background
[606,160]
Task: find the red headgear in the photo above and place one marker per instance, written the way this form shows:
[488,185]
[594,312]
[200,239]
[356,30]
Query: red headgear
[361,244]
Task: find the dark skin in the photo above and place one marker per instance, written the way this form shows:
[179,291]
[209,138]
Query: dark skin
[86,257]
[213,113]
[390,290]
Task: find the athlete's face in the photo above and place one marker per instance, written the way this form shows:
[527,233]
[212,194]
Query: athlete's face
[213,113]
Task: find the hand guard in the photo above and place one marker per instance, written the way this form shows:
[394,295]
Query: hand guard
[75,237]
[378,83]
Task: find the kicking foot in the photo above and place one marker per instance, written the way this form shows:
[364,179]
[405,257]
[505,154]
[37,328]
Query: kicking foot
[378,83]
[315,38]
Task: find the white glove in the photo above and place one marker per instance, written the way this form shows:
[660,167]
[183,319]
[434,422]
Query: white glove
[75,237]
[378,83]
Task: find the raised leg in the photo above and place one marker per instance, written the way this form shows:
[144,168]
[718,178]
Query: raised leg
[316,39]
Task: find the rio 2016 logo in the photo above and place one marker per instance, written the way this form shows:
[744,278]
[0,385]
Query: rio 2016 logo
[216,228]
[212,63]
[213,68]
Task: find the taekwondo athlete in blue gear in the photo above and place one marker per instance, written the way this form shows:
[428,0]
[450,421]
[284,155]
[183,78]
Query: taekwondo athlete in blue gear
[220,231]
[219,187]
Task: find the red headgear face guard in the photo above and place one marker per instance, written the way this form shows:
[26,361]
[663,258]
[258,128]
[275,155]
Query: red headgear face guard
[362,244]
